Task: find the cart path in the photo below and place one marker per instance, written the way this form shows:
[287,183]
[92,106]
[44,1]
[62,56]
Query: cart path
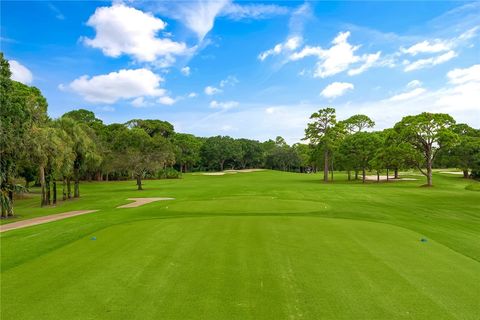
[41,220]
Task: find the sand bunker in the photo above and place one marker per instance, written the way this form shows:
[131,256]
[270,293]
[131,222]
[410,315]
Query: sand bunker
[452,172]
[213,173]
[141,201]
[40,220]
[231,172]
[384,178]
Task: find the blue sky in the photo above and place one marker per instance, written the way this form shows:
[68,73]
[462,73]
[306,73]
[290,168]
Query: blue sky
[248,69]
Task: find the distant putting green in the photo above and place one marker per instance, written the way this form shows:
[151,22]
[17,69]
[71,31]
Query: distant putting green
[262,245]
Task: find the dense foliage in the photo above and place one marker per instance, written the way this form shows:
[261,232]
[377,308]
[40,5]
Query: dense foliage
[79,146]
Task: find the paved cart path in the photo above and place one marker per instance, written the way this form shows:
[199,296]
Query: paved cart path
[44,219]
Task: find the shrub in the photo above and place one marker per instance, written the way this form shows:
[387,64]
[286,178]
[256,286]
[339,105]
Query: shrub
[169,173]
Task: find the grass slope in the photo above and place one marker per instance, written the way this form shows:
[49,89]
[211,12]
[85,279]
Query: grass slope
[264,245]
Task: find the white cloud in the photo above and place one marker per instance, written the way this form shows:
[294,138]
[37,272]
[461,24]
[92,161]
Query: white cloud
[223,105]
[270,110]
[438,50]
[338,58]
[185,71]
[336,89]
[414,84]
[200,16]
[439,45]
[125,30]
[192,95]
[210,90]
[252,11]
[460,76]
[139,102]
[166,100]
[123,84]
[20,73]
[370,60]
[428,47]
[430,62]
[289,45]
[408,95]
[229,81]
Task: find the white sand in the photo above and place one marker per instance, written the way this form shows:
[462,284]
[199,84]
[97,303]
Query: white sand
[384,178]
[141,201]
[231,172]
[452,172]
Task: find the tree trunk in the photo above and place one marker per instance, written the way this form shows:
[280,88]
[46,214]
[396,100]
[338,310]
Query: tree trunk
[139,182]
[76,187]
[10,209]
[388,179]
[64,190]
[47,185]
[325,166]
[378,176]
[106,177]
[429,174]
[356,174]
[69,188]
[395,173]
[221,165]
[363,175]
[41,174]
[54,192]
[465,173]
[349,174]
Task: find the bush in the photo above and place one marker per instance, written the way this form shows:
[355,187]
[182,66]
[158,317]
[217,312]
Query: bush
[169,173]
[475,174]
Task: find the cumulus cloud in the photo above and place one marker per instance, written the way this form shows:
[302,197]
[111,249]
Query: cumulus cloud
[123,84]
[370,61]
[223,105]
[210,90]
[185,71]
[290,44]
[338,58]
[139,102]
[166,100]
[192,95]
[228,81]
[336,89]
[124,30]
[20,73]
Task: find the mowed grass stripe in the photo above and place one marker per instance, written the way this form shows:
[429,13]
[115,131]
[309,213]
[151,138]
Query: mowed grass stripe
[246,268]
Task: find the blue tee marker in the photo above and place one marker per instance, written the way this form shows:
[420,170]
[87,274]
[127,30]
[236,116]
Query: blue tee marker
[423,240]
[93,238]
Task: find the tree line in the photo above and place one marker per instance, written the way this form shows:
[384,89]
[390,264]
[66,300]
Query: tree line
[57,154]
[420,141]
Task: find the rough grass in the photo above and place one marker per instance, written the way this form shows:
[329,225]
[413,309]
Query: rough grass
[263,245]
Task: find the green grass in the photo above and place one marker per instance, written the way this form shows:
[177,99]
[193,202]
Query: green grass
[263,245]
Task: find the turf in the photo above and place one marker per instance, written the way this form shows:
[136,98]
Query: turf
[263,245]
